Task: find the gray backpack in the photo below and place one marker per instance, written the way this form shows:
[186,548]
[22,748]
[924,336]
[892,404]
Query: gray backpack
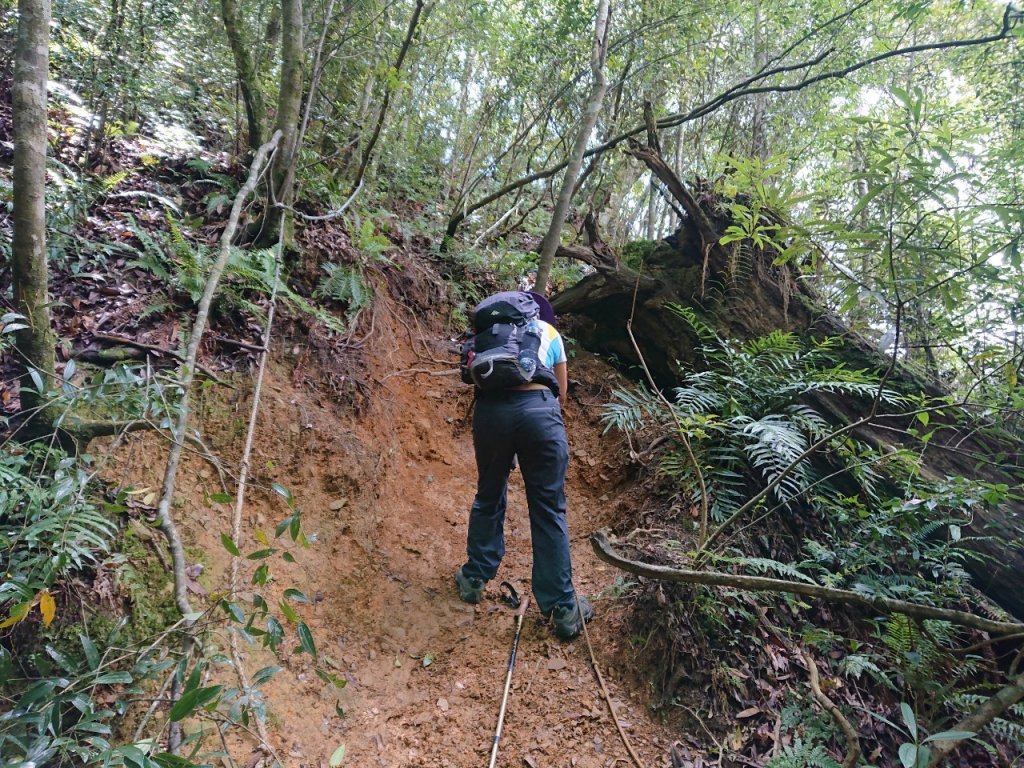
[503,351]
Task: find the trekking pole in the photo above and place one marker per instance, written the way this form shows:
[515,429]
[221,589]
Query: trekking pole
[508,679]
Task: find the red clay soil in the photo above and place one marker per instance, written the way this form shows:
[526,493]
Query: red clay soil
[387,495]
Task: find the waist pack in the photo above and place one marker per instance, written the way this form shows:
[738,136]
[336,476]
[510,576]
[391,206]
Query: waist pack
[504,349]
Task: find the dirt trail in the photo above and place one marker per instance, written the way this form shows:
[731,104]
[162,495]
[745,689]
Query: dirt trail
[388,496]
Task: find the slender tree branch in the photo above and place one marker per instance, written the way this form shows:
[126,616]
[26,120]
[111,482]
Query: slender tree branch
[243,477]
[186,375]
[986,712]
[852,737]
[410,34]
[732,94]
[603,549]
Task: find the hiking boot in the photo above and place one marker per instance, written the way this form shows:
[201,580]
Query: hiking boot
[470,590]
[568,620]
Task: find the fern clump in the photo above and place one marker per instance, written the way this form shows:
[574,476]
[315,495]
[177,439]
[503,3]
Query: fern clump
[749,423]
[50,528]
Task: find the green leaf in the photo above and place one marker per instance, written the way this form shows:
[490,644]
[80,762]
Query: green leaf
[233,610]
[222,498]
[229,544]
[261,575]
[92,656]
[337,756]
[951,736]
[275,632]
[264,675]
[113,678]
[261,554]
[330,678]
[909,719]
[133,756]
[306,639]
[65,663]
[168,760]
[296,595]
[289,612]
[193,700]
[280,490]
[908,755]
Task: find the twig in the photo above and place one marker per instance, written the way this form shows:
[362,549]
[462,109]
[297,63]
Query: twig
[852,737]
[985,713]
[703,535]
[410,34]
[707,730]
[187,369]
[414,371]
[604,690]
[243,476]
[330,214]
[153,348]
[237,343]
[155,703]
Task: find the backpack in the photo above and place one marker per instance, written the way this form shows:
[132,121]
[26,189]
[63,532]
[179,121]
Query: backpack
[504,349]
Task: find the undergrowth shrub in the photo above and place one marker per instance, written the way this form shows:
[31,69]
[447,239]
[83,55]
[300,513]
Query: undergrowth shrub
[50,528]
[844,515]
[750,426]
[81,683]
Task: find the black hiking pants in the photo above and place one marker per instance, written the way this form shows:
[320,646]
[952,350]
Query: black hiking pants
[526,424]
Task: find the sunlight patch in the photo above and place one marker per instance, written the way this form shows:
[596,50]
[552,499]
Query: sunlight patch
[170,139]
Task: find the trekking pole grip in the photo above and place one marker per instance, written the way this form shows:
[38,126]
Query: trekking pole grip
[523,605]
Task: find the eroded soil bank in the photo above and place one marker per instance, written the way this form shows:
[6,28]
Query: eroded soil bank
[386,493]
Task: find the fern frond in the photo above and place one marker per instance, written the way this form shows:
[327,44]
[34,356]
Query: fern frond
[704,331]
[777,344]
[900,634]
[110,182]
[800,755]
[764,565]
[855,664]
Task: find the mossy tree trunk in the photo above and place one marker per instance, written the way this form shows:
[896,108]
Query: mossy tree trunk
[289,111]
[245,68]
[35,343]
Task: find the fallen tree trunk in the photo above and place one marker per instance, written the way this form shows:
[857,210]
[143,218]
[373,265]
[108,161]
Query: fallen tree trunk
[739,292]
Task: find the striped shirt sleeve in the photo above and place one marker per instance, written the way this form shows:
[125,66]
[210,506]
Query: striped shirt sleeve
[552,348]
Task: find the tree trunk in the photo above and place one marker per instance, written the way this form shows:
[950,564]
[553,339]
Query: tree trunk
[758,140]
[35,343]
[289,109]
[245,68]
[554,235]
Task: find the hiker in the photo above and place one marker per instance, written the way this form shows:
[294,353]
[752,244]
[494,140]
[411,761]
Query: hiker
[517,414]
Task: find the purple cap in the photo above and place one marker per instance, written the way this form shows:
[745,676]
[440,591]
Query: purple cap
[547,314]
